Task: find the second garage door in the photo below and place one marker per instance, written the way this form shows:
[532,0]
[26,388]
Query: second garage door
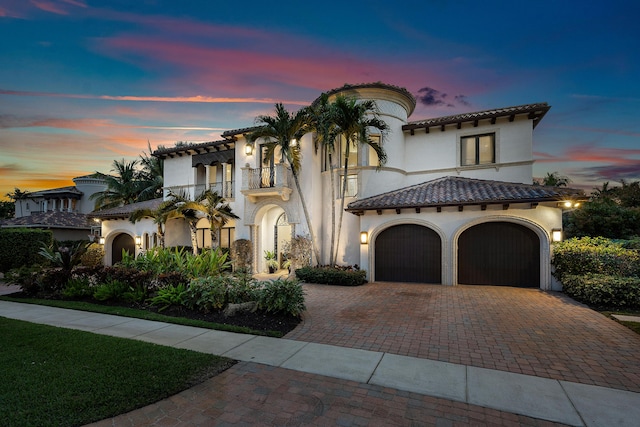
[499,253]
[408,253]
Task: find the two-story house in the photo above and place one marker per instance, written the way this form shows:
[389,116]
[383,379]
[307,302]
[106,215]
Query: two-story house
[454,204]
[62,210]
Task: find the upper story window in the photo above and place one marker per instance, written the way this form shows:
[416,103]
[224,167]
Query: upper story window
[359,155]
[478,149]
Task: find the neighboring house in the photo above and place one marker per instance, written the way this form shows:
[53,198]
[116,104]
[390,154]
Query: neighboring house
[61,210]
[454,204]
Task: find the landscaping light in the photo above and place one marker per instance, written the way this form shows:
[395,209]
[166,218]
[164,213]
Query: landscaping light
[248,149]
[364,237]
[556,235]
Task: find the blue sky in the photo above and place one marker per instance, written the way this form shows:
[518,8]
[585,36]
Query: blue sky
[85,82]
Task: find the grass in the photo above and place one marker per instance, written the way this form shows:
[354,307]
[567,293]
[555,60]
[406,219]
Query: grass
[54,376]
[634,326]
[140,314]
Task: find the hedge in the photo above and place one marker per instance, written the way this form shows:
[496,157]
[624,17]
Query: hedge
[595,255]
[19,247]
[332,276]
[604,291]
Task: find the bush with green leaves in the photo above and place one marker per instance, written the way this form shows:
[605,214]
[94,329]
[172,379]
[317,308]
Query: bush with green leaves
[171,295]
[111,290]
[604,291]
[77,287]
[595,255]
[18,247]
[281,296]
[171,260]
[206,294]
[332,276]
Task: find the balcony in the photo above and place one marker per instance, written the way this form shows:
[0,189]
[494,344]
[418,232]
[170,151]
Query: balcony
[265,182]
[224,189]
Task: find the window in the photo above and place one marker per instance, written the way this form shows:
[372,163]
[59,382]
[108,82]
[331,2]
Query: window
[477,150]
[373,156]
[352,186]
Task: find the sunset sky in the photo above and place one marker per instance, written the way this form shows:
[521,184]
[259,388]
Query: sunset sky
[84,82]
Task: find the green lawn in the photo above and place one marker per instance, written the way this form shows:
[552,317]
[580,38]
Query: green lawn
[60,377]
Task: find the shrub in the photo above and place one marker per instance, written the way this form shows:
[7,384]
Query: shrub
[77,287]
[25,277]
[18,247]
[603,290]
[93,257]
[206,294]
[162,261]
[113,289]
[596,255]
[282,295]
[171,295]
[332,276]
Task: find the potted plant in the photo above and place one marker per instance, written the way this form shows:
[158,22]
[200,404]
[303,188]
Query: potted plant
[272,261]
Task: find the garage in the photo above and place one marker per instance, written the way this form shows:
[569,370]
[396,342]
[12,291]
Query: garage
[499,253]
[408,253]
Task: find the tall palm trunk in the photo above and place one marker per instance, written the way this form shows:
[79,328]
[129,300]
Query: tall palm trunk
[332,171]
[193,230]
[306,216]
[344,192]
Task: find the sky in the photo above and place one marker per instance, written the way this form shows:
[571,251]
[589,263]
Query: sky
[87,82]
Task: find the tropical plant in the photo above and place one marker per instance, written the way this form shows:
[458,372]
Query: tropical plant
[7,209]
[284,131]
[64,257]
[123,187]
[554,179]
[282,295]
[171,295]
[151,176]
[271,260]
[159,216]
[353,120]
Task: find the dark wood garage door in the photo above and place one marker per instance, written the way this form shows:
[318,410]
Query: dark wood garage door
[499,253]
[408,253]
[122,241]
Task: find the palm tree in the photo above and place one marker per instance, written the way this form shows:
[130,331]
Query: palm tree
[179,210]
[18,195]
[159,216]
[554,179]
[151,176]
[280,131]
[215,209]
[353,119]
[319,121]
[123,188]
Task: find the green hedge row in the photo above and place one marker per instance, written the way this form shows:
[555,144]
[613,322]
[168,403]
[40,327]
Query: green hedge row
[602,290]
[19,247]
[332,276]
[595,255]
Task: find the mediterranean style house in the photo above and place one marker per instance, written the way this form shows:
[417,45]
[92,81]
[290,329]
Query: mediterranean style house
[454,204]
[63,210]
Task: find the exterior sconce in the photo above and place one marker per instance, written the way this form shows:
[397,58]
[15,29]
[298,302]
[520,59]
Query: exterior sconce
[294,142]
[556,235]
[248,149]
[568,204]
[101,240]
[138,241]
[364,237]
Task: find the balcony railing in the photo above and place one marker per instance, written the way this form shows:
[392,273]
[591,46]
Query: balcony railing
[224,189]
[275,181]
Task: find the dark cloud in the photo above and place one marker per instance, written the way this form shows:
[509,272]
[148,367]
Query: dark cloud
[429,96]
[614,173]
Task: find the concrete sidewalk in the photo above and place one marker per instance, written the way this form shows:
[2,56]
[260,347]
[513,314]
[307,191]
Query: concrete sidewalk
[558,401]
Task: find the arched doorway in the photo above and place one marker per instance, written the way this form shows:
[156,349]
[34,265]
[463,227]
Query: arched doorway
[274,234]
[408,253]
[122,242]
[499,253]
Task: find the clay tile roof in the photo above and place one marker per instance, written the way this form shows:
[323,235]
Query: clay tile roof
[534,111]
[126,210]
[50,219]
[456,191]
[233,132]
[193,148]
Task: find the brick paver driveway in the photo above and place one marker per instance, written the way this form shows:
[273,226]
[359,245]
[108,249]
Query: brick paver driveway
[524,331]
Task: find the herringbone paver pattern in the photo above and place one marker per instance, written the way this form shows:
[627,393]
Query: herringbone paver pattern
[525,331]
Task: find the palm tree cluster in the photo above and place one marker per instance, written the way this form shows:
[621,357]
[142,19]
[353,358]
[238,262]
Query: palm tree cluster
[131,182]
[209,205]
[345,118]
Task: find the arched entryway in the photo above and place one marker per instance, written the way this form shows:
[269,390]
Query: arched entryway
[122,242]
[274,235]
[499,253]
[408,253]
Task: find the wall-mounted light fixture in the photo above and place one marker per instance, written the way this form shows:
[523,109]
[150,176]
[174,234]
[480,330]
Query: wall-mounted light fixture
[138,241]
[101,240]
[364,237]
[568,204]
[556,235]
[294,142]
[248,149]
